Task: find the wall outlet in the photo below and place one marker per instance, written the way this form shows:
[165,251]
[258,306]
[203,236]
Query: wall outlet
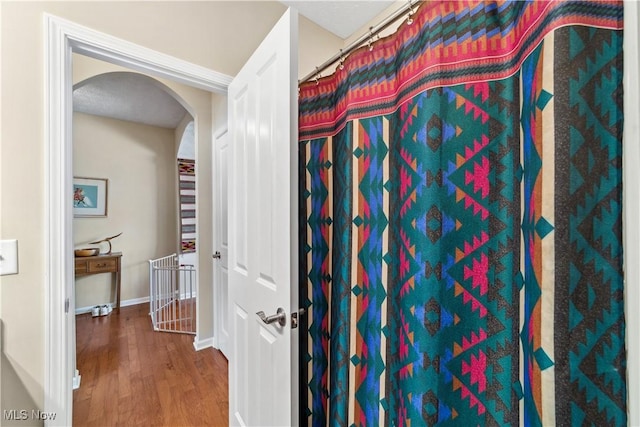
[8,257]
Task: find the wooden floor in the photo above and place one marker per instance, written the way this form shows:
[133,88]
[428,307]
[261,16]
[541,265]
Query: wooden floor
[132,375]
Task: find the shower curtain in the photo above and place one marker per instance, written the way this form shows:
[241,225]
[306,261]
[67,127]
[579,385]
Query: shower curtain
[461,221]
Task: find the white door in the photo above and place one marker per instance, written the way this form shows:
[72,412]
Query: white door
[263,245]
[221,266]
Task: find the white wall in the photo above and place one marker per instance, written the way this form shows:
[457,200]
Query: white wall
[139,162]
[185,139]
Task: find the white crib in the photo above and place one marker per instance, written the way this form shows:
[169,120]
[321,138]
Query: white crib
[172,295]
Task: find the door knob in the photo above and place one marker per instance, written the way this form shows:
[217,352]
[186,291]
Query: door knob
[280,317]
[216,255]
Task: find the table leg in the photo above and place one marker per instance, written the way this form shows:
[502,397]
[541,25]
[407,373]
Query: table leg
[118,271]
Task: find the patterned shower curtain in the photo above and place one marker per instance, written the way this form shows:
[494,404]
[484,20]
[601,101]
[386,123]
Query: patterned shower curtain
[462,235]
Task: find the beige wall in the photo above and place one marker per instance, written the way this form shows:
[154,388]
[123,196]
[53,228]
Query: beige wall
[217,35]
[179,132]
[365,29]
[316,45]
[139,162]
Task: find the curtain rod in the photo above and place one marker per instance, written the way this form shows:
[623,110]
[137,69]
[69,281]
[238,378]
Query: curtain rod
[360,41]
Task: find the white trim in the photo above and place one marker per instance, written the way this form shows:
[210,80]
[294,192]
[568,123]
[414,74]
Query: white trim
[199,344]
[631,206]
[125,303]
[63,37]
[217,243]
[117,51]
[59,369]
[83,310]
[77,378]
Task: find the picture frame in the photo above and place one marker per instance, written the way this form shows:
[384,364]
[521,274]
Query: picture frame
[90,197]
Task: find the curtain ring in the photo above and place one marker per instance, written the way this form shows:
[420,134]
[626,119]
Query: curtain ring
[410,15]
[370,42]
[341,66]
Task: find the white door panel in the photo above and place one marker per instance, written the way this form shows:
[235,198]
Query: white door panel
[242,135]
[239,375]
[221,276]
[263,257]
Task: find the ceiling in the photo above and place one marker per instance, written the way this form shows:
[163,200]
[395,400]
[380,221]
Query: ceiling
[128,96]
[138,98]
[342,18]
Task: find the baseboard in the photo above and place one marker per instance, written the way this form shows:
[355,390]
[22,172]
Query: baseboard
[125,303]
[76,380]
[134,301]
[199,344]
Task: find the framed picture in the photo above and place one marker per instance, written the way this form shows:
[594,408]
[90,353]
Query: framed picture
[89,197]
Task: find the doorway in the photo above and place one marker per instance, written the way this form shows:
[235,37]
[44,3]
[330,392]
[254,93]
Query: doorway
[64,39]
[128,130]
[144,132]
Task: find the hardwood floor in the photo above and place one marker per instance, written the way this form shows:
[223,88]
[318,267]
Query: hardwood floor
[132,375]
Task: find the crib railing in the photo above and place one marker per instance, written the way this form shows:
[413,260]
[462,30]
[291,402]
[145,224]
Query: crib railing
[172,295]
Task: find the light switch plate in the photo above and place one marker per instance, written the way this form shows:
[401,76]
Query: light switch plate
[8,257]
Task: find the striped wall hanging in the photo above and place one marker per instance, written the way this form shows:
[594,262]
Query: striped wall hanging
[187,180]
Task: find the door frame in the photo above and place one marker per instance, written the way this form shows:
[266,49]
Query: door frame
[223,132]
[631,205]
[62,39]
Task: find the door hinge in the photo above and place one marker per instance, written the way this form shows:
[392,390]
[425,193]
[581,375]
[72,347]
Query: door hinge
[67,303]
[294,318]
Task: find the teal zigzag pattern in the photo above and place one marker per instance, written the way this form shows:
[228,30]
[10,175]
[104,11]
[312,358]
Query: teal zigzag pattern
[319,277]
[590,384]
[463,222]
[341,284]
[455,213]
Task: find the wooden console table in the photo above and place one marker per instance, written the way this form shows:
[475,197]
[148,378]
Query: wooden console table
[109,263]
